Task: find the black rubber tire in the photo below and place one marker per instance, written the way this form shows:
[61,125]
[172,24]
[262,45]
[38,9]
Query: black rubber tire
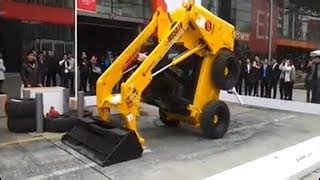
[21,125]
[63,123]
[165,121]
[215,130]
[225,59]
[21,108]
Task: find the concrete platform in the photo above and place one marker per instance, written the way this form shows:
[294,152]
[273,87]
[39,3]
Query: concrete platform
[171,153]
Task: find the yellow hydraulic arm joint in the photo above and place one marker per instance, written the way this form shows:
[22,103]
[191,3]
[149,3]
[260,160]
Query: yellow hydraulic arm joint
[180,58]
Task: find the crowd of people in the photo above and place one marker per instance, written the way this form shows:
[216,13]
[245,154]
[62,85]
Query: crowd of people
[42,69]
[259,78]
[260,74]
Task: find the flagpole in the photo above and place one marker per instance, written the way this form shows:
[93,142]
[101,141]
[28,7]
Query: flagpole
[270,31]
[76,47]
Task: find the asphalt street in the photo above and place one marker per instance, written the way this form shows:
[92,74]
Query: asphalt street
[171,153]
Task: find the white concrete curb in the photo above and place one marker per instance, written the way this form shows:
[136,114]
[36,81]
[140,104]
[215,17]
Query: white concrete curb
[283,164]
[90,100]
[294,106]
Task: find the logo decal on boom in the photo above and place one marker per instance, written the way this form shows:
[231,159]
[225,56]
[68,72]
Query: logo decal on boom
[175,32]
[208,26]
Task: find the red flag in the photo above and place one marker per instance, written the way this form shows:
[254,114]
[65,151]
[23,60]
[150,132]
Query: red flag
[87,5]
[159,3]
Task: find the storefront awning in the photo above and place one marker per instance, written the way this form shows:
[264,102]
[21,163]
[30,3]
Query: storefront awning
[295,43]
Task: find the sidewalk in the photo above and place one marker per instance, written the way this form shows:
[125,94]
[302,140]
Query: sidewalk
[298,94]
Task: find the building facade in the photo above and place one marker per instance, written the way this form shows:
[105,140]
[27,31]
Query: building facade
[35,24]
[294,33]
[110,25]
[105,25]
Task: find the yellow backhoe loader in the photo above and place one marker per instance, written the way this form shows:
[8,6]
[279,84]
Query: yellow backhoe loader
[185,68]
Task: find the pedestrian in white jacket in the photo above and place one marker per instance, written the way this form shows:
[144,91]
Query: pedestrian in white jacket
[2,70]
[66,71]
[289,73]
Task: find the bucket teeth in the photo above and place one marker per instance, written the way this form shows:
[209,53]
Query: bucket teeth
[103,143]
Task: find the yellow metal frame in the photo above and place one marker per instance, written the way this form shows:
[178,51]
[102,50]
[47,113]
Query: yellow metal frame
[198,30]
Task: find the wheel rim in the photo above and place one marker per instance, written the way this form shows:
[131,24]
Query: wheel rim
[218,118]
[215,119]
[226,72]
[231,70]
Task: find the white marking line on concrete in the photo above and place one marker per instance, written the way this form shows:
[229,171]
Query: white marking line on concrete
[283,164]
[35,137]
[284,118]
[21,141]
[259,125]
[147,150]
[62,172]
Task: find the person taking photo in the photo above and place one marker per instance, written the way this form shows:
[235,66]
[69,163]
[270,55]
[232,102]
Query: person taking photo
[29,72]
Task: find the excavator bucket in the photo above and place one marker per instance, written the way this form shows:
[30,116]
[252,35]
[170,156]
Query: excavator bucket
[103,143]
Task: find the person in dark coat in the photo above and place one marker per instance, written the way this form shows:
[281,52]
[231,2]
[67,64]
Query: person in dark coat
[29,72]
[107,61]
[52,69]
[308,79]
[241,77]
[264,78]
[274,78]
[246,75]
[315,79]
[43,68]
[95,71]
[84,71]
[254,78]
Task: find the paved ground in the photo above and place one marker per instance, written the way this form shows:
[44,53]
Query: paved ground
[315,175]
[178,153]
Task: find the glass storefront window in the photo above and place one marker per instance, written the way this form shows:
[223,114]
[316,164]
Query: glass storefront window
[211,5]
[241,15]
[134,9]
[295,26]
